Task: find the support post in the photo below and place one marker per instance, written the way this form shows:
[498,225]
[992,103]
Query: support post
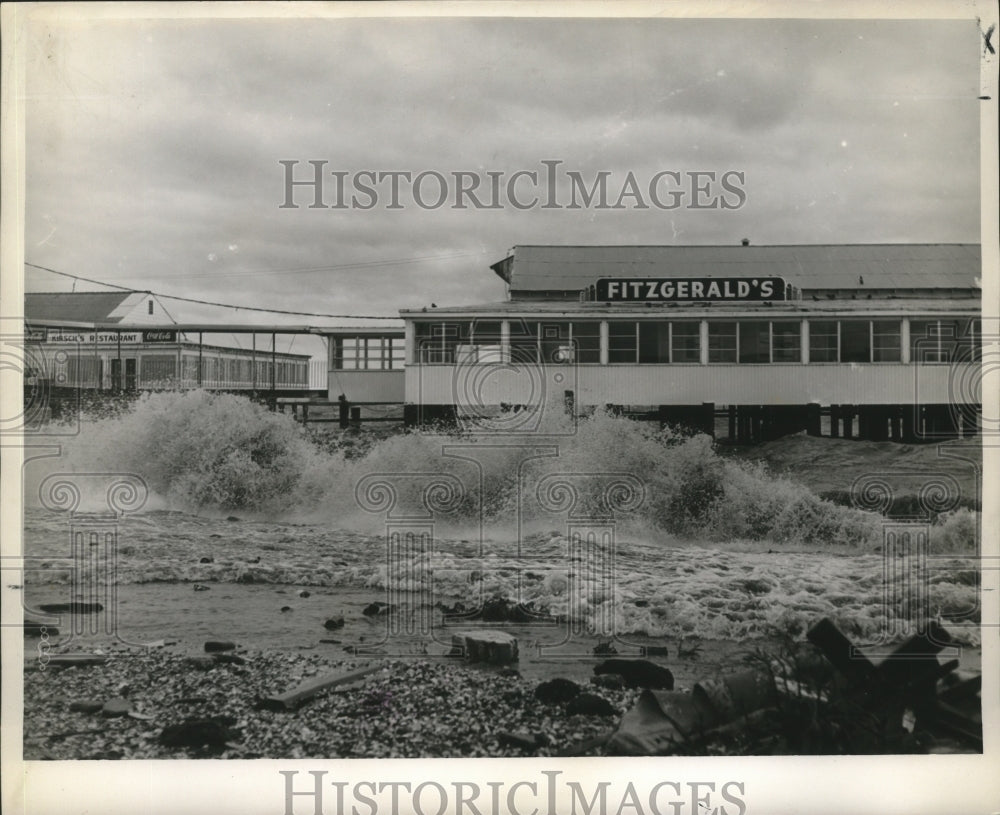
[199,358]
[344,412]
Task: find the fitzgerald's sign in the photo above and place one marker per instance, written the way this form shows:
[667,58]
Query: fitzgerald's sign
[677,289]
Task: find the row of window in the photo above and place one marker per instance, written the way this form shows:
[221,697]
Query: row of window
[367,353]
[680,341]
[86,370]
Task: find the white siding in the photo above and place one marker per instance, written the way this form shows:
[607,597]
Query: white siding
[366,386]
[891,383]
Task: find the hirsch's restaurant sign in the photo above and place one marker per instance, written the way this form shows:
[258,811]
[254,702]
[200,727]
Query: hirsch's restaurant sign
[677,289]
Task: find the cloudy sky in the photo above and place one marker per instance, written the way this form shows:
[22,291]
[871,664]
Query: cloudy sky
[153,147]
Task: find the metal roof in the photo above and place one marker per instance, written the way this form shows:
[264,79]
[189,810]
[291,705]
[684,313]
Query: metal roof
[818,266]
[573,310]
[80,307]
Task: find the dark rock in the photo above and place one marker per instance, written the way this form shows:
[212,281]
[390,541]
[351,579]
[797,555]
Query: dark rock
[232,518]
[556,690]
[285,608]
[229,659]
[201,663]
[590,704]
[213,646]
[36,629]
[76,607]
[332,642]
[376,608]
[86,705]
[334,623]
[519,741]
[496,647]
[642,603]
[305,593]
[215,535]
[245,577]
[199,587]
[207,560]
[75,660]
[199,733]
[116,707]
[638,673]
[512,673]
[611,681]
[254,559]
[654,650]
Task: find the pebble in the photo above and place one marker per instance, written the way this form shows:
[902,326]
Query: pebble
[118,706]
[408,709]
[554,691]
[334,623]
[86,706]
[213,646]
[590,704]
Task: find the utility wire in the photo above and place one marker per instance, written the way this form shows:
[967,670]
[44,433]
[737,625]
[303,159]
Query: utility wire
[211,303]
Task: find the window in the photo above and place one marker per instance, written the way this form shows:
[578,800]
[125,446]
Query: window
[685,342]
[786,341]
[654,342]
[436,342]
[823,341]
[623,342]
[886,340]
[722,342]
[944,340]
[855,341]
[587,340]
[523,341]
[555,342]
[755,342]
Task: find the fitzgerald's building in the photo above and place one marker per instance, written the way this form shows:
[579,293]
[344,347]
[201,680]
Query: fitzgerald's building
[877,341]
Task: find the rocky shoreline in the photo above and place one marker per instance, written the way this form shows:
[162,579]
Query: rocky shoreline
[165,704]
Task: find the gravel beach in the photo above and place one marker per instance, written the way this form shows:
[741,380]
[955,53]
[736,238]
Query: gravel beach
[405,709]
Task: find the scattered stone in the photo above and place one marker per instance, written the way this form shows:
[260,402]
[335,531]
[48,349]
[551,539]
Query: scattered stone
[86,705]
[118,706]
[642,603]
[638,673]
[285,608]
[611,681]
[654,651]
[590,704]
[334,623]
[76,607]
[232,518]
[75,660]
[199,587]
[198,733]
[511,673]
[305,593]
[554,691]
[519,741]
[230,659]
[496,647]
[254,559]
[36,629]
[215,535]
[376,608]
[201,663]
[213,646]
[207,560]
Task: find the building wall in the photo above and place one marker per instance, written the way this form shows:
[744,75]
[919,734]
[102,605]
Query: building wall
[366,386]
[786,384]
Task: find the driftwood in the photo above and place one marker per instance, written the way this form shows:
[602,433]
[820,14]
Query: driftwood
[292,699]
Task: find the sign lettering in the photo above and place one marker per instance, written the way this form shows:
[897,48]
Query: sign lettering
[675,289]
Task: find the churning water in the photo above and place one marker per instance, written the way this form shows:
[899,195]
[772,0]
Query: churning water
[680,534]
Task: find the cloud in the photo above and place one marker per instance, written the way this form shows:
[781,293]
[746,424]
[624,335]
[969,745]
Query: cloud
[153,146]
